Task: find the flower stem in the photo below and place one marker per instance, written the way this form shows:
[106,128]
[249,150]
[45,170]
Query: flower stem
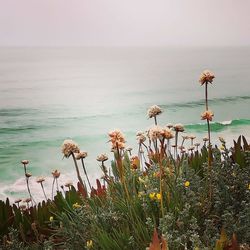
[85,172]
[77,170]
[27,184]
[44,192]
[52,192]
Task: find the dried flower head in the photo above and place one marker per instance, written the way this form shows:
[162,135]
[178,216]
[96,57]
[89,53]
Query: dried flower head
[25,162]
[117,139]
[28,175]
[206,77]
[40,179]
[140,137]
[69,147]
[205,139]
[179,127]
[153,111]
[207,115]
[167,133]
[56,173]
[18,200]
[155,133]
[169,125]
[27,200]
[192,137]
[185,137]
[102,157]
[68,184]
[81,155]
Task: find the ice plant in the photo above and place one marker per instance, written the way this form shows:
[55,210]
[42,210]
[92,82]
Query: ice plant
[40,180]
[56,175]
[80,156]
[27,176]
[69,148]
[153,111]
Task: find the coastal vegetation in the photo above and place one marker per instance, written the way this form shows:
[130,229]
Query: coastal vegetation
[172,192]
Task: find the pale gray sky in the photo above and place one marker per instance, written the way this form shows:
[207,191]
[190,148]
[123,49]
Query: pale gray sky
[124,22]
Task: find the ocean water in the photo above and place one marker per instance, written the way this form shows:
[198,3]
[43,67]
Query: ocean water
[51,94]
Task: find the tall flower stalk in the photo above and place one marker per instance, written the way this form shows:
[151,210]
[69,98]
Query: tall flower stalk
[40,180]
[27,176]
[56,175]
[81,156]
[69,148]
[205,78]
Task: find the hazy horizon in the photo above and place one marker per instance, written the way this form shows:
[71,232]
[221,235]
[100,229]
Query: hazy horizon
[131,23]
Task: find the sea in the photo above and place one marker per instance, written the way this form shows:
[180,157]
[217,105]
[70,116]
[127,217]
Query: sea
[48,95]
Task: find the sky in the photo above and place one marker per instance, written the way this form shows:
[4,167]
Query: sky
[124,22]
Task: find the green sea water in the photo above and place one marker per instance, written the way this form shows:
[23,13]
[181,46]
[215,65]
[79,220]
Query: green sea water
[51,94]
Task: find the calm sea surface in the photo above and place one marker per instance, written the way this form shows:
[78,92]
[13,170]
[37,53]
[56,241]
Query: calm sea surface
[48,95]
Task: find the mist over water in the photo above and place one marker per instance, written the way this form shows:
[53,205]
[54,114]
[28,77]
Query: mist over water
[49,95]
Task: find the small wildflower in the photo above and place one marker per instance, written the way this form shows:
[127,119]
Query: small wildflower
[18,200]
[206,77]
[68,184]
[155,133]
[81,155]
[40,179]
[222,140]
[27,200]
[117,139]
[102,157]
[169,125]
[51,218]
[249,186]
[56,173]
[140,194]
[167,133]
[179,127]
[152,196]
[153,111]
[205,139]
[89,244]
[28,175]
[187,184]
[222,148]
[140,137]
[25,162]
[207,115]
[69,147]
[158,196]
[76,205]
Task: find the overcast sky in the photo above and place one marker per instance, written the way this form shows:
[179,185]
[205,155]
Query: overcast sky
[124,22]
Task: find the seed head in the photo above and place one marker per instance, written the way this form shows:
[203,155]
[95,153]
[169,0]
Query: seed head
[206,77]
[69,147]
[153,111]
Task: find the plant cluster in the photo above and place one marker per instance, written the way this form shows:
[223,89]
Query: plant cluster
[186,194]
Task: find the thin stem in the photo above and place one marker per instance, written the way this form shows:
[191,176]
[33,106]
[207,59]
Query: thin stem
[155,120]
[52,192]
[44,192]
[57,186]
[27,184]
[85,172]
[77,170]
[206,95]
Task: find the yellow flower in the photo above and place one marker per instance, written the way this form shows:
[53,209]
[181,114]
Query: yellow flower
[222,148]
[249,186]
[152,196]
[76,205]
[158,196]
[89,244]
[51,218]
[187,184]
[140,194]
